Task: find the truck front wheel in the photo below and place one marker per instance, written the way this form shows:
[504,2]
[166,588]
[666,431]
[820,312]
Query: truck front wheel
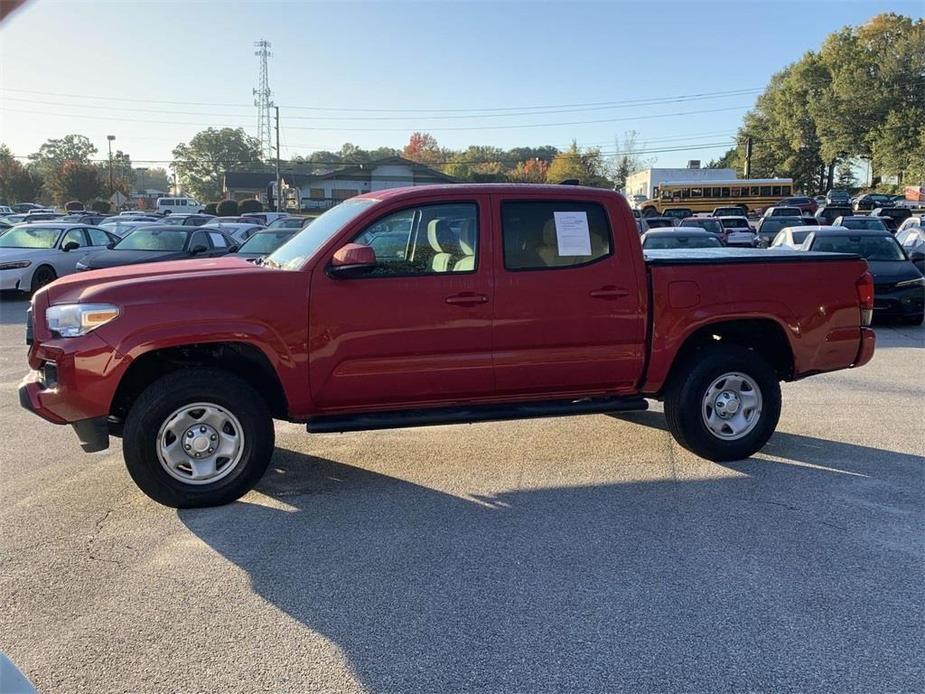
[723,404]
[197,438]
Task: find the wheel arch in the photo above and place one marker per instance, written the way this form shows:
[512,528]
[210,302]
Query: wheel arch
[765,336]
[243,359]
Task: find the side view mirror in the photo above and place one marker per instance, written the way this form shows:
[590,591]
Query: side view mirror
[233,248]
[352,260]
[111,245]
[198,249]
[70,246]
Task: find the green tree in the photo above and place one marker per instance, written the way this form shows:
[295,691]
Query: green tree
[75,180]
[57,151]
[155,178]
[201,164]
[567,165]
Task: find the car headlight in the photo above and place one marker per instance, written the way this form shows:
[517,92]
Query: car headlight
[73,320]
[917,282]
[15,264]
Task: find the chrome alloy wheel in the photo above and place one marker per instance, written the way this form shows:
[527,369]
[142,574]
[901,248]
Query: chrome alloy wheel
[732,406]
[200,443]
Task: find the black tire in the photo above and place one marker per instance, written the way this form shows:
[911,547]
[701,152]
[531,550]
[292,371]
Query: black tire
[43,275]
[171,392]
[685,395]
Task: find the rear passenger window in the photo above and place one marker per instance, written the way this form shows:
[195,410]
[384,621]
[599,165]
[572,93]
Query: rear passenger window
[424,240]
[549,235]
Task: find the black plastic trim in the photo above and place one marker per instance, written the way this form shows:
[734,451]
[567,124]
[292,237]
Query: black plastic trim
[93,434]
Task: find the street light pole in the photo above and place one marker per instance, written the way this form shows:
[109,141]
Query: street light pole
[144,194]
[109,139]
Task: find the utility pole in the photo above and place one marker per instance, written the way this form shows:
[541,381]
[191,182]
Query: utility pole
[109,139]
[279,188]
[748,158]
[144,194]
[262,98]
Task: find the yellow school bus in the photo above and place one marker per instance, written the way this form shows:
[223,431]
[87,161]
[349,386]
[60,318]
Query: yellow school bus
[702,196]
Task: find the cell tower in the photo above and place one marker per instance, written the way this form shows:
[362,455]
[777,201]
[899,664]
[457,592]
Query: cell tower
[262,98]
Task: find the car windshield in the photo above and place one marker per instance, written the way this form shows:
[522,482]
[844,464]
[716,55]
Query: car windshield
[153,240]
[266,242]
[871,223]
[30,237]
[286,223]
[292,255]
[666,242]
[775,224]
[710,225]
[800,236]
[734,223]
[174,220]
[883,248]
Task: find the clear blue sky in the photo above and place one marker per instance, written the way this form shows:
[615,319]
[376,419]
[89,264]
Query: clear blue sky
[190,65]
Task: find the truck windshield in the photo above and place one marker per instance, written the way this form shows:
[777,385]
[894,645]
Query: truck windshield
[29,237]
[302,246]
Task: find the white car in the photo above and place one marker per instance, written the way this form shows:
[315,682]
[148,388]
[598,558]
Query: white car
[792,238]
[739,232]
[32,255]
[4,210]
[913,221]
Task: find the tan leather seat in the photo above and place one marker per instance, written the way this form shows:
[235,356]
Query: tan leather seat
[444,244]
[549,250]
[468,241]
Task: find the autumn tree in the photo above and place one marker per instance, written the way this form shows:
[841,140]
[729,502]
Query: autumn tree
[530,171]
[423,148]
[75,180]
[201,164]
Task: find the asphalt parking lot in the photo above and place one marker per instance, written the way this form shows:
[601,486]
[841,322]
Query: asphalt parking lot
[580,554]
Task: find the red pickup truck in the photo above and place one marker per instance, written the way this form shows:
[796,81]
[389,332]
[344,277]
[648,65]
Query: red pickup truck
[434,305]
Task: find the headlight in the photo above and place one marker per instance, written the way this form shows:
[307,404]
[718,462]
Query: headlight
[16,264]
[917,282]
[73,320]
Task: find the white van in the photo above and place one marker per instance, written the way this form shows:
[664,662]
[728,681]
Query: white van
[173,205]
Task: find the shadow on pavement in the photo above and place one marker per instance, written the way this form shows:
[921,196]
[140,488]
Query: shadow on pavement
[771,576]
[13,307]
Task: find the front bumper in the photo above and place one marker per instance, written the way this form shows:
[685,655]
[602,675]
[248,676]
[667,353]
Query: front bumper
[12,280]
[899,302]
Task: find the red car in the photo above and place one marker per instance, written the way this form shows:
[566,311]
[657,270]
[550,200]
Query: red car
[807,205]
[433,305]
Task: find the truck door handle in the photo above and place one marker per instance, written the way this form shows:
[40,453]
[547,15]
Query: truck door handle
[467,299]
[609,293]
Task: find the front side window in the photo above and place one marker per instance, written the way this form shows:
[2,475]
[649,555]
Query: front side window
[76,236]
[424,240]
[544,235]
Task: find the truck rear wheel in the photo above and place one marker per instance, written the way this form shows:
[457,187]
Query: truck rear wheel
[724,404]
[197,438]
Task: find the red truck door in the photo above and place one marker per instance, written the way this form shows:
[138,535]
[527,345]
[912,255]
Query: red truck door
[568,311]
[418,328]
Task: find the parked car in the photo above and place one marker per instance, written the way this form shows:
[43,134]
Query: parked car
[661,222]
[739,232]
[792,238]
[264,242]
[34,216]
[710,224]
[789,211]
[4,224]
[679,237]
[138,217]
[912,239]
[892,216]
[820,200]
[899,287]
[768,227]
[829,213]
[838,198]
[239,232]
[190,220]
[871,201]
[485,314]
[32,255]
[913,221]
[91,218]
[23,207]
[678,213]
[729,211]
[182,205]
[805,203]
[299,222]
[152,244]
[861,222]
[5,210]
[120,228]
[265,218]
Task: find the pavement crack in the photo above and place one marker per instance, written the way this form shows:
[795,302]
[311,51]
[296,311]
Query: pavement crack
[790,507]
[91,541]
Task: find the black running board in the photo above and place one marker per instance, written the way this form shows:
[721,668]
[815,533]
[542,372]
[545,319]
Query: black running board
[468,414]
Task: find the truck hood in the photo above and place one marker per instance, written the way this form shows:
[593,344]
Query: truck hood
[113,258]
[144,280]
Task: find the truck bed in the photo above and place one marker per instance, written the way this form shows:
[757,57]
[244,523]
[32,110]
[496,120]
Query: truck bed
[726,256]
